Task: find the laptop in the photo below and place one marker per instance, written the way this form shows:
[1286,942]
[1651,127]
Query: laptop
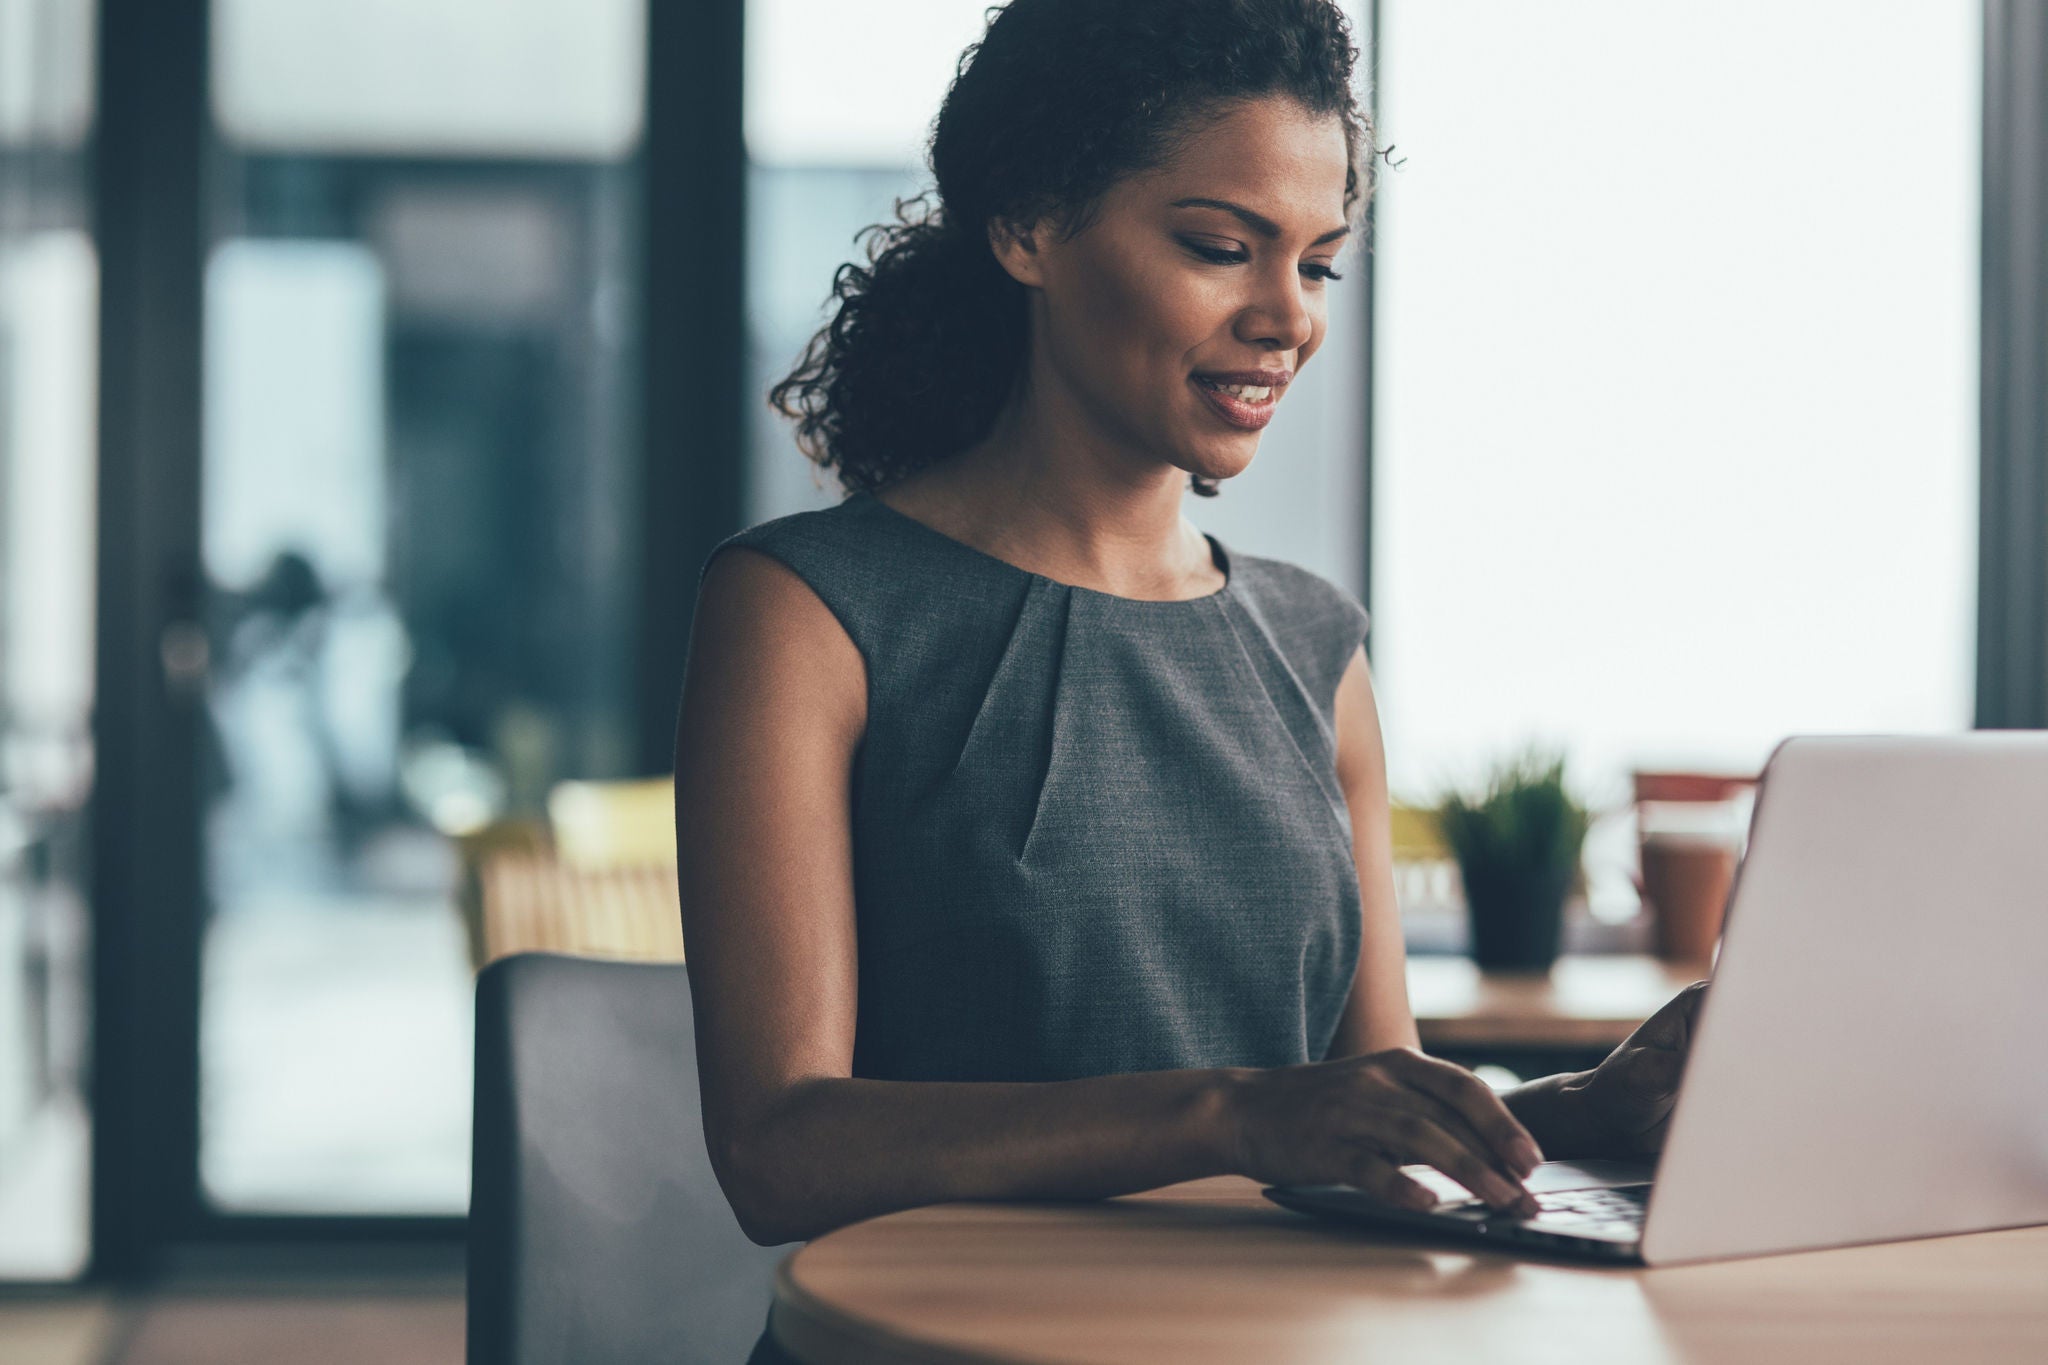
[1871,1062]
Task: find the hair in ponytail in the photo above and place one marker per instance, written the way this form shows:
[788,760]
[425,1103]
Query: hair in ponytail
[924,343]
[1058,101]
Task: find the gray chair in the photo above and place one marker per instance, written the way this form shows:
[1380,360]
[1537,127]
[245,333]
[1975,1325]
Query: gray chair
[597,1232]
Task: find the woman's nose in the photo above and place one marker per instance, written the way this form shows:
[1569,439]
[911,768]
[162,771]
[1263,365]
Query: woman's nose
[1279,317]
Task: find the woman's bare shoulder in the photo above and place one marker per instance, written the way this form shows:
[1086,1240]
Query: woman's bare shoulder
[762,632]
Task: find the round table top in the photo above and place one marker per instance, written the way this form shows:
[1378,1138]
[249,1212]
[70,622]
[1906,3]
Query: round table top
[1213,1271]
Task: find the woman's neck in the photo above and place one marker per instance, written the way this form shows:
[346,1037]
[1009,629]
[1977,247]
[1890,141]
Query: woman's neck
[1063,506]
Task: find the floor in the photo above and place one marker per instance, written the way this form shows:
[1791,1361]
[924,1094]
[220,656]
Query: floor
[416,1322]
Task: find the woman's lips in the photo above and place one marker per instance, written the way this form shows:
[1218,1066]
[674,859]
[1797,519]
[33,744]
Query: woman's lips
[1234,410]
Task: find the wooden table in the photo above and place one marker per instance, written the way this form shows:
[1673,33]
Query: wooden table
[1211,1271]
[1584,1002]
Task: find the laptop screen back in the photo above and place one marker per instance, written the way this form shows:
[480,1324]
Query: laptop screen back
[1869,1062]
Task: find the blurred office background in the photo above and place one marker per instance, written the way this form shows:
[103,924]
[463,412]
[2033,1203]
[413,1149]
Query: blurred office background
[375,375]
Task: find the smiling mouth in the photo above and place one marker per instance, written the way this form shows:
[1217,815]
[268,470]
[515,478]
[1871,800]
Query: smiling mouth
[1244,393]
[1247,407]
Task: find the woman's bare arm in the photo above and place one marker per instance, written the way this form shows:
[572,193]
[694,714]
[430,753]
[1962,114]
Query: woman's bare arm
[773,711]
[1377,1015]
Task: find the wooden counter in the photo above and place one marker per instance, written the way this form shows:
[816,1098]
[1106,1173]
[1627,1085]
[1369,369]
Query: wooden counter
[1585,1002]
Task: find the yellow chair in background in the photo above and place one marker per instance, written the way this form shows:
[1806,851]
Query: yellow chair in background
[1415,834]
[480,848]
[1425,870]
[614,824]
[598,879]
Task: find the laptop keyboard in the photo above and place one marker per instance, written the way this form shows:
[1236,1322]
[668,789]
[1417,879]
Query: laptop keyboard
[1617,1209]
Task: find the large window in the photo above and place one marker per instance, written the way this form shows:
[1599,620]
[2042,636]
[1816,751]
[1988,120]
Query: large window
[1676,436]
[418,509]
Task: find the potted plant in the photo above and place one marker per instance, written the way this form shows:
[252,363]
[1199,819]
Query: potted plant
[1518,850]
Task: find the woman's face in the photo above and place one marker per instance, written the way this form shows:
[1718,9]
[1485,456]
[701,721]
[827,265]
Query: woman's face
[1172,324]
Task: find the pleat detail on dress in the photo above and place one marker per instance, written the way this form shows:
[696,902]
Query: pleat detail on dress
[1059,736]
[1315,742]
[1014,730]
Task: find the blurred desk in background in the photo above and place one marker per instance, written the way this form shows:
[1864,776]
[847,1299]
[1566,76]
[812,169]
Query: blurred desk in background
[1531,1023]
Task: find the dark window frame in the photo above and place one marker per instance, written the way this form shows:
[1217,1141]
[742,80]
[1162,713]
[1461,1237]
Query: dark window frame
[2012,521]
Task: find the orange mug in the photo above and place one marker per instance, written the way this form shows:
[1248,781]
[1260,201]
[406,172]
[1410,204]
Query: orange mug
[1688,846]
[1685,882]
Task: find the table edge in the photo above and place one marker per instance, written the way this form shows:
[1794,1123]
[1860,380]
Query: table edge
[818,1333]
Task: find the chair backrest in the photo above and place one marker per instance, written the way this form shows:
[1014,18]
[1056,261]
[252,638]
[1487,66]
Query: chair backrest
[597,1231]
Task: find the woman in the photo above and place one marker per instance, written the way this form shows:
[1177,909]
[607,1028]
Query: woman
[1033,843]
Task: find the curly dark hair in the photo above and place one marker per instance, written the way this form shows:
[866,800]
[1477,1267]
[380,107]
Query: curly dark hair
[1058,101]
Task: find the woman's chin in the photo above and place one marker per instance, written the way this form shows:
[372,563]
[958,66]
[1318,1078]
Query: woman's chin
[1225,463]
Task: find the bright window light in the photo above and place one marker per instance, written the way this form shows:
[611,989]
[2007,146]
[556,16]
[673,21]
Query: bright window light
[1676,440]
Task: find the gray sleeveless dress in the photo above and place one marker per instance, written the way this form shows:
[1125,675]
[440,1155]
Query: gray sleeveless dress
[1092,834]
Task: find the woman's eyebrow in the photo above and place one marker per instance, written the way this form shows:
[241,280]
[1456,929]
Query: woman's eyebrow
[1257,222]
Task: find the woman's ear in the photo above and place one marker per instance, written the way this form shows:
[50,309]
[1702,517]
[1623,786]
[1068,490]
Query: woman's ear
[1016,248]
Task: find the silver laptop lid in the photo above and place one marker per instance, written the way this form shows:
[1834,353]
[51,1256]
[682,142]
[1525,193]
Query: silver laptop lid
[1868,1063]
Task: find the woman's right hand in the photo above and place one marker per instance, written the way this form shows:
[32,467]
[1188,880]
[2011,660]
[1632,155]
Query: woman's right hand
[1357,1120]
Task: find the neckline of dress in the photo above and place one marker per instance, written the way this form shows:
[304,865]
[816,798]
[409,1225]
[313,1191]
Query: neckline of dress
[1218,556]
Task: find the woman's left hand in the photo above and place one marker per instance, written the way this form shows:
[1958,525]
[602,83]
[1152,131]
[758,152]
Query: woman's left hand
[1624,1104]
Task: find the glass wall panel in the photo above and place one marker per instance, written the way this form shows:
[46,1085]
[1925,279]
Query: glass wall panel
[1677,420]
[840,101]
[419,543]
[46,70]
[49,306]
[474,77]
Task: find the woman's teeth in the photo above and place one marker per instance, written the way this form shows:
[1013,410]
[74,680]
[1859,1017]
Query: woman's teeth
[1245,393]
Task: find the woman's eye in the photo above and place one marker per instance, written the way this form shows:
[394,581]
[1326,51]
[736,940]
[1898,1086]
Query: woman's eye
[1219,255]
[1315,270]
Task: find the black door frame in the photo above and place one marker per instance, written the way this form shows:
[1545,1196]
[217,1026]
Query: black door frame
[152,143]
[152,148]
[148,151]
